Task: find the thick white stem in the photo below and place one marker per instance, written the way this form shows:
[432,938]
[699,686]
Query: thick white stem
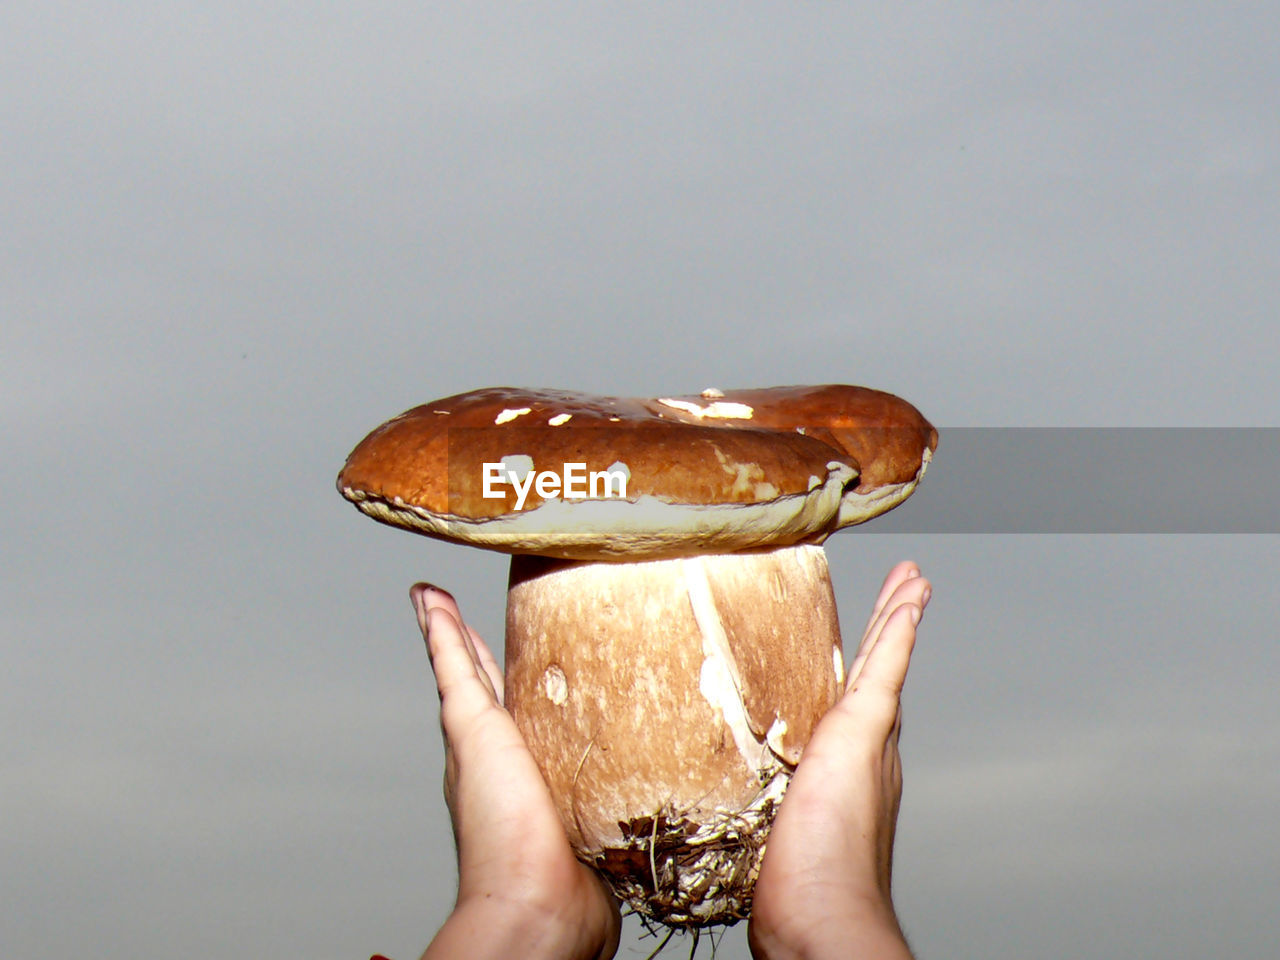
[667,702]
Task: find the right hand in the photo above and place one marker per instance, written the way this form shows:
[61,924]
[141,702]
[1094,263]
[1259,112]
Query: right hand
[824,886]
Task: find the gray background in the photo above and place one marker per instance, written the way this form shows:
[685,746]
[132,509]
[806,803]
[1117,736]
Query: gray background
[236,236]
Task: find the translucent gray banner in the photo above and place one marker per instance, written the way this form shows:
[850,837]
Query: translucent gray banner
[1096,480]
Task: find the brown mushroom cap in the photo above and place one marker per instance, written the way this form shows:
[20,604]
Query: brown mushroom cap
[716,472]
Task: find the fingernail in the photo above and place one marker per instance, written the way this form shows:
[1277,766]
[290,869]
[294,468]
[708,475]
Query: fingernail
[915,614]
[928,592]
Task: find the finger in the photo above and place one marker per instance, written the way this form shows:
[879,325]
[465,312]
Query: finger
[489,664]
[465,693]
[900,573]
[450,653]
[427,597]
[483,655]
[886,664]
[875,697]
[915,590]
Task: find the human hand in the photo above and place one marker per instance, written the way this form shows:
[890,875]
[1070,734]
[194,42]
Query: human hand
[824,886]
[521,891]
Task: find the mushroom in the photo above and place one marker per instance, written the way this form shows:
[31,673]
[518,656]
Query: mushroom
[671,633]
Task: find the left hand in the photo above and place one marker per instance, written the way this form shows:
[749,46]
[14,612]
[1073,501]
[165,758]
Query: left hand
[517,875]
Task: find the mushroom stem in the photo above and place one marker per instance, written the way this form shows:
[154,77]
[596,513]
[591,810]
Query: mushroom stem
[667,702]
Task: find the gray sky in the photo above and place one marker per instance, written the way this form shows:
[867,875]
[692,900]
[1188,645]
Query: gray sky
[237,236]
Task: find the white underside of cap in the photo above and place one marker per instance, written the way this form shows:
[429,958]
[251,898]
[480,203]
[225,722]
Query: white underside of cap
[644,527]
[859,507]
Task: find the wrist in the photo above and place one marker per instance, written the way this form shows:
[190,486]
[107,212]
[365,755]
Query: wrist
[867,930]
[492,927]
[880,941]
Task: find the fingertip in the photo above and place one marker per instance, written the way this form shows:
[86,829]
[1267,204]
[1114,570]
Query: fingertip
[420,592]
[902,571]
[427,596]
[909,611]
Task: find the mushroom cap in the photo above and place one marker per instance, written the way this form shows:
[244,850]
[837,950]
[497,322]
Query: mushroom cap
[710,473]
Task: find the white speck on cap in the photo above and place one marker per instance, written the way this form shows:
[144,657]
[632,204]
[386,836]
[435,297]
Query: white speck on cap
[714,410]
[711,393]
[559,419]
[506,416]
[521,464]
